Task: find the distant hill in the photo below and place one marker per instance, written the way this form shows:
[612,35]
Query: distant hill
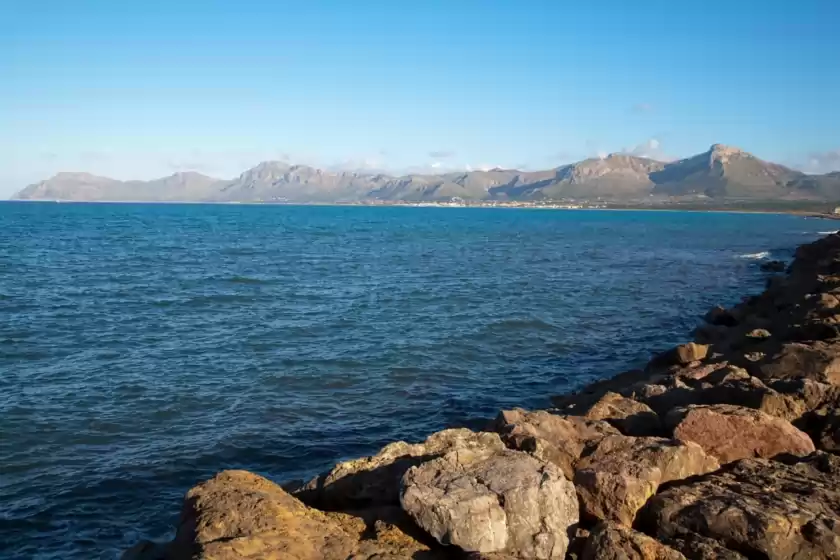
[722,173]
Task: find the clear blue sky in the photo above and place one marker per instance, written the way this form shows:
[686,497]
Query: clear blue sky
[143,89]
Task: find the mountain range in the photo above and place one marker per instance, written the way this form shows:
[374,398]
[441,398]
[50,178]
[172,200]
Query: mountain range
[721,173]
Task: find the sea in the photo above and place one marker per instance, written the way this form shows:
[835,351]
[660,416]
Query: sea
[145,347]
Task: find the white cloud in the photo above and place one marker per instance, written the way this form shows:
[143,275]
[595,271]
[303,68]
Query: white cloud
[822,162]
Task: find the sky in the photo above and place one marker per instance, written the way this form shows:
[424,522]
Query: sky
[138,90]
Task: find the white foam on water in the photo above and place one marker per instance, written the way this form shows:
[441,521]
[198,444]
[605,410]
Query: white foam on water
[827,232]
[755,256]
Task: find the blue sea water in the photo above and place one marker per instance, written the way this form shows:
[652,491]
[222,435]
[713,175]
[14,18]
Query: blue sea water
[145,347]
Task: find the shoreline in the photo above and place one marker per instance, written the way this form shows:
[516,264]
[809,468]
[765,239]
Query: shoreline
[640,460]
[560,206]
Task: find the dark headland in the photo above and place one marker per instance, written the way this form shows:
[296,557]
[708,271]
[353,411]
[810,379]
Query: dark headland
[724,447]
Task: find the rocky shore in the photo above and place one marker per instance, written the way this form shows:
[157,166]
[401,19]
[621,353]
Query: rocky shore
[725,447]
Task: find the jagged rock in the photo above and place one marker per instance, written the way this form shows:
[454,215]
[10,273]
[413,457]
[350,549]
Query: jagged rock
[622,473]
[758,334]
[728,373]
[721,316]
[700,370]
[630,417]
[681,355]
[731,432]
[238,514]
[823,425]
[760,508]
[609,541]
[550,437]
[375,480]
[483,501]
[818,361]
[697,547]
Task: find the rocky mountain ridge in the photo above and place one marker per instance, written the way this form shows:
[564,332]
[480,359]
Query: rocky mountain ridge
[721,173]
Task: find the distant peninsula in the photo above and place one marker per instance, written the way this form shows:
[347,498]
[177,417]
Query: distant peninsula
[723,175]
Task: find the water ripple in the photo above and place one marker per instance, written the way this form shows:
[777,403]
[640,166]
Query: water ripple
[145,347]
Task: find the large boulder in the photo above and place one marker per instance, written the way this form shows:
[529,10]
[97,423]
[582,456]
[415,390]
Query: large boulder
[730,432]
[629,416]
[757,507]
[609,541]
[818,361]
[619,476]
[481,501]
[373,481]
[552,438]
[238,514]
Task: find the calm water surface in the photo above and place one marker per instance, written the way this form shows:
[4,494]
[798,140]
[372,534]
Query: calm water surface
[145,347]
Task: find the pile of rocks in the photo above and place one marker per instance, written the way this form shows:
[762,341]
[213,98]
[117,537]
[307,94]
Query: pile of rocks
[725,447]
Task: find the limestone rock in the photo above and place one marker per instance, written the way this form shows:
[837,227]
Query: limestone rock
[375,480]
[609,541]
[630,417]
[238,514]
[550,437]
[760,508]
[732,432]
[486,502]
[818,361]
[622,473]
[682,354]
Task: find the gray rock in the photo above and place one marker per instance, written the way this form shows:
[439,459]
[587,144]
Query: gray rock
[484,501]
[760,508]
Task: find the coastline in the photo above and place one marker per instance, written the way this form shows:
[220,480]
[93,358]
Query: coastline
[641,460]
[721,209]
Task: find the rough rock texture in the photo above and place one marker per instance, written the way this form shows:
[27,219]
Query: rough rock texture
[819,361]
[732,432]
[550,437]
[758,507]
[238,514]
[630,417]
[622,473]
[609,541]
[823,425]
[682,354]
[375,480]
[482,501]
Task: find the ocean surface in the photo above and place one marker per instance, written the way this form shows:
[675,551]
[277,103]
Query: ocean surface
[145,347]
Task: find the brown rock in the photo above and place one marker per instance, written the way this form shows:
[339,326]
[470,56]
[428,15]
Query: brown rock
[681,355]
[732,432]
[761,508]
[697,547]
[727,373]
[630,417]
[237,514]
[609,541]
[721,316]
[618,477]
[375,480]
[550,437]
[819,361]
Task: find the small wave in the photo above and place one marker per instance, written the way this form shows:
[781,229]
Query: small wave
[246,280]
[827,232]
[755,256]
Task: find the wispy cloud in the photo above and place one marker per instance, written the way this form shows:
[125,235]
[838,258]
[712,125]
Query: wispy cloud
[822,162]
[441,154]
[650,148]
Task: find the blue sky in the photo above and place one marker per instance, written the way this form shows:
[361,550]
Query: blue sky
[144,89]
